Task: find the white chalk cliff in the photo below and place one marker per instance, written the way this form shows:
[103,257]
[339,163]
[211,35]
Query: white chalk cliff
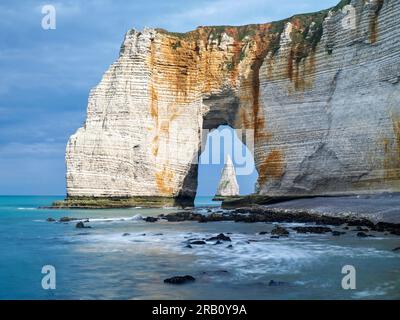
[228,185]
[320,91]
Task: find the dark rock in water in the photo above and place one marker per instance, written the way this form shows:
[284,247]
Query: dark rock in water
[188,246]
[387,227]
[183,216]
[198,242]
[346,228]
[81,225]
[180,279]
[318,230]
[221,237]
[126,234]
[363,235]
[396,249]
[280,231]
[66,219]
[150,219]
[274,283]
[274,237]
[359,228]
[337,233]
[218,242]
[360,222]
[50,219]
[263,233]
[230,247]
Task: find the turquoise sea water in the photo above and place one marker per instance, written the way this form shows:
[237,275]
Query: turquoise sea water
[101,263]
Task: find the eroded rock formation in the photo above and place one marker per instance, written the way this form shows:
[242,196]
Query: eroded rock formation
[228,185]
[320,91]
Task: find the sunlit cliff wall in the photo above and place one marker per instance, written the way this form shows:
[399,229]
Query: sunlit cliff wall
[320,91]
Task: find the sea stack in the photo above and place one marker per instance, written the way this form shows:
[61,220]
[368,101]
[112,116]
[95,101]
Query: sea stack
[228,186]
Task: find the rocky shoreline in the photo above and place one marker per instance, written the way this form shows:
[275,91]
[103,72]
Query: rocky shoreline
[267,215]
[338,225]
[120,202]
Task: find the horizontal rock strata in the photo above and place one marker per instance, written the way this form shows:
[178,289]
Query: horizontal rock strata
[319,91]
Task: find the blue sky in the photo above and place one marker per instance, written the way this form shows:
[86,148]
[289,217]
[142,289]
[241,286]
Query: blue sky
[45,76]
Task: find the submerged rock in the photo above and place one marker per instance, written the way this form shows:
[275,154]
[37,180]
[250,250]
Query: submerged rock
[81,225]
[363,235]
[126,234]
[180,279]
[280,231]
[359,228]
[337,233]
[150,219]
[50,219]
[318,230]
[67,219]
[198,242]
[274,283]
[221,237]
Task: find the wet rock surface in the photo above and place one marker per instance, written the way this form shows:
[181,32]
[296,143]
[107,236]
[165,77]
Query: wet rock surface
[364,235]
[265,214]
[274,283]
[197,242]
[220,237]
[150,219]
[180,279]
[280,231]
[81,225]
[67,219]
[338,233]
[317,230]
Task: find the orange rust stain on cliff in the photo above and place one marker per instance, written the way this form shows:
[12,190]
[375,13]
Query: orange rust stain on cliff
[155,145]
[173,112]
[262,49]
[301,71]
[271,167]
[270,68]
[290,65]
[153,103]
[237,49]
[164,180]
[374,22]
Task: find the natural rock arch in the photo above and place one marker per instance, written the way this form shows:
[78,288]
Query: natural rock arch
[322,100]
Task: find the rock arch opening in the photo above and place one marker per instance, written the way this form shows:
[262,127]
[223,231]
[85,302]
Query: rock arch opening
[220,143]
